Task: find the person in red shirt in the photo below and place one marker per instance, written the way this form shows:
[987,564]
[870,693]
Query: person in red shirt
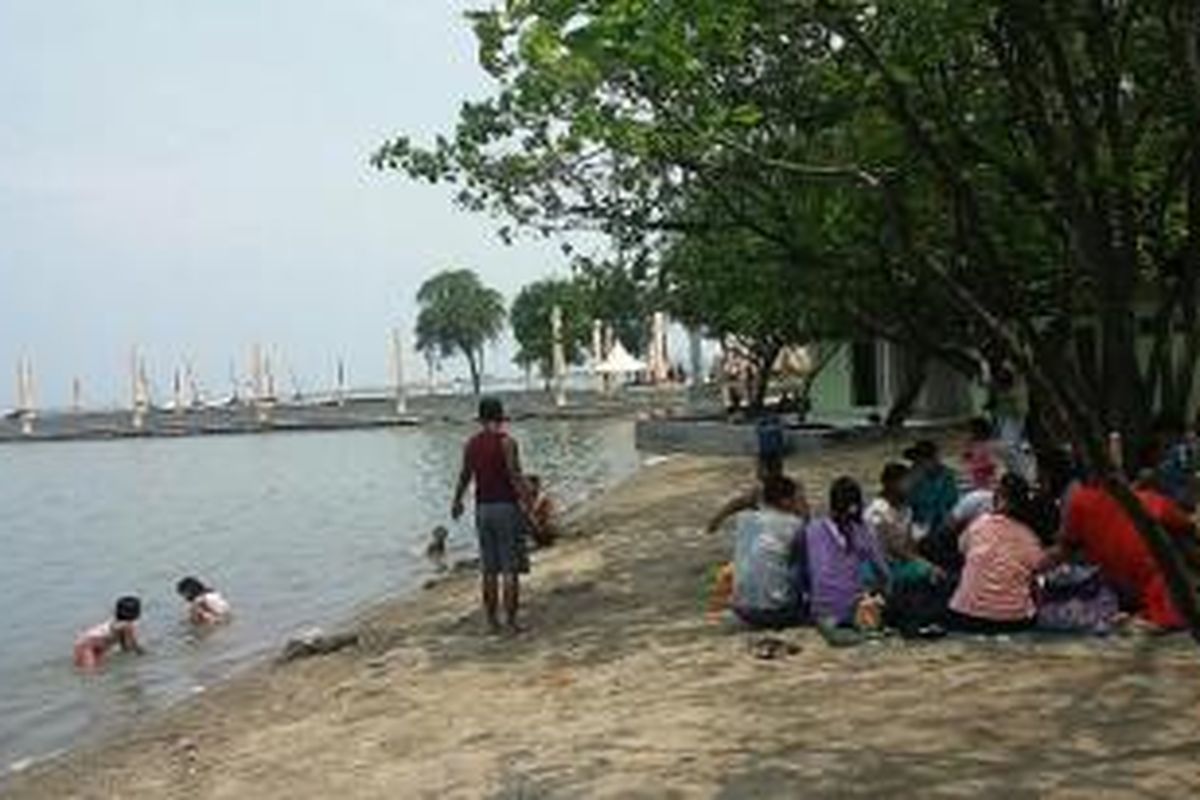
[492,462]
[1095,524]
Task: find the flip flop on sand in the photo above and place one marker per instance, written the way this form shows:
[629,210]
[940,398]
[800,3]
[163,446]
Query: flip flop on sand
[770,648]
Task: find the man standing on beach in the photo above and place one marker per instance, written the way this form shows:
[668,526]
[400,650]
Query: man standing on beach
[491,460]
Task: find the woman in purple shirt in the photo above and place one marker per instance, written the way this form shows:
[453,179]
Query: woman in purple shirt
[845,559]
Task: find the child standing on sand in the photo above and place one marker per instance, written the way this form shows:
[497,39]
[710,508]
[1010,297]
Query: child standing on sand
[491,461]
[92,646]
[206,606]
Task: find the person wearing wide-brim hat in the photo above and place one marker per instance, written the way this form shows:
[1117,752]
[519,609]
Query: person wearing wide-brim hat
[933,491]
[491,460]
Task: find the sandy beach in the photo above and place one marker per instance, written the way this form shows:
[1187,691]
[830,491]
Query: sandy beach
[623,689]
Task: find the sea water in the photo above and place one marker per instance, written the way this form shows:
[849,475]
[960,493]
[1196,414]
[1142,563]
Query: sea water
[296,530]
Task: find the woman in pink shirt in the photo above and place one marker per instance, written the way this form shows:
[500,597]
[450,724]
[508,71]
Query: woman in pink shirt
[1001,557]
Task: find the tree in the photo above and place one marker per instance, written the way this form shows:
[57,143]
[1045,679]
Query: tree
[740,289]
[1003,170]
[531,323]
[459,313]
[622,296]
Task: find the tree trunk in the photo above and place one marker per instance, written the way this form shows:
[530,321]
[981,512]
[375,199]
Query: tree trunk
[762,377]
[1180,582]
[473,365]
[916,371]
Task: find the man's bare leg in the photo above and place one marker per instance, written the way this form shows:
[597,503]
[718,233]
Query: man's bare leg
[512,600]
[491,601]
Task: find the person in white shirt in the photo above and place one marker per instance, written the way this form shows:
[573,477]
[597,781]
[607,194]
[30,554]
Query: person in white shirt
[890,516]
[206,606]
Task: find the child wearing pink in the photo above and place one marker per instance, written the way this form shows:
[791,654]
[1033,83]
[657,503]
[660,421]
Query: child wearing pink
[92,646]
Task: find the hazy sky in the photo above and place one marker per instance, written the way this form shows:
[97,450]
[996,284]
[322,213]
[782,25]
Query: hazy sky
[192,177]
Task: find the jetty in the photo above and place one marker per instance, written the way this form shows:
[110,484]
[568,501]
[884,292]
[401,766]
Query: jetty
[342,413]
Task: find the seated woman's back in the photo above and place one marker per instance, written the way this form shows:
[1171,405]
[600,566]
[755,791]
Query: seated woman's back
[840,548]
[1001,556]
[1096,524]
[763,558]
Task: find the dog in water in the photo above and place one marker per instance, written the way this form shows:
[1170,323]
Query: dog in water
[435,551]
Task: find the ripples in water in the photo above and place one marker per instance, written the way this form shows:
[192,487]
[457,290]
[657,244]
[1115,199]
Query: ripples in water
[297,530]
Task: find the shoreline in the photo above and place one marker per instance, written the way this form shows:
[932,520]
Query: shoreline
[623,685]
[271,656]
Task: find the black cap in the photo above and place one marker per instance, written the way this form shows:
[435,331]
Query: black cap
[923,450]
[491,410]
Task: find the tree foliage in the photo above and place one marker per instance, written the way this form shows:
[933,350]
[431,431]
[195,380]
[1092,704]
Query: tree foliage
[974,178]
[458,313]
[531,323]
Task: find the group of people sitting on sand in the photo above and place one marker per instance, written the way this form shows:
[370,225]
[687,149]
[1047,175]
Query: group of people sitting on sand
[994,552]
[205,607]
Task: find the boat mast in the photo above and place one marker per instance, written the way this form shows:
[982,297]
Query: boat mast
[397,372]
[139,389]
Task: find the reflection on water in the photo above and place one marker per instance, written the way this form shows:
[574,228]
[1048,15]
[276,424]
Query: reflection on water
[296,530]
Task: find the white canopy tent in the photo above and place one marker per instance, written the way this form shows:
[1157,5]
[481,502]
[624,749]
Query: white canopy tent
[619,362]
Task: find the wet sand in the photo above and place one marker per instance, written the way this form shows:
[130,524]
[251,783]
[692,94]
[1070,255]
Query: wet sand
[623,689]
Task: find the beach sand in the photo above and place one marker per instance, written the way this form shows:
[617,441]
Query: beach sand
[623,689]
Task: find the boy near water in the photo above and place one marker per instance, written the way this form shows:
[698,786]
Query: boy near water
[92,646]
[492,462]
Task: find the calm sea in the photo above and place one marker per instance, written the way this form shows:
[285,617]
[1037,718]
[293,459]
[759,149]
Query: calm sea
[297,530]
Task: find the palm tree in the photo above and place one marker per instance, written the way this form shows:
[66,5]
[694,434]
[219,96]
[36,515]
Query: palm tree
[459,313]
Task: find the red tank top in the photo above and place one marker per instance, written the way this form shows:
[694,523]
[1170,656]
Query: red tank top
[485,460]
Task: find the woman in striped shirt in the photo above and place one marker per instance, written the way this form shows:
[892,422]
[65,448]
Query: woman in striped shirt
[1002,555]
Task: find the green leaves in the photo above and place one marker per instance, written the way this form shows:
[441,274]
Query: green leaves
[856,152]
[458,313]
[530,317]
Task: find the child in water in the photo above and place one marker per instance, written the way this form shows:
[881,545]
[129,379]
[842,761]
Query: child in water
[93,644]
[206,606]
[435,551]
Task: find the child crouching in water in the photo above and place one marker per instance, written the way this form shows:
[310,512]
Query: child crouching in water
[206,606]
[93,644]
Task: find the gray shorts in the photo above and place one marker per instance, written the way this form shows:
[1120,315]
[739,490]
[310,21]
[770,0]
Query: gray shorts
[501,528]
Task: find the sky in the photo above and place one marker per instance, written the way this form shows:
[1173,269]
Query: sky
[193,178]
